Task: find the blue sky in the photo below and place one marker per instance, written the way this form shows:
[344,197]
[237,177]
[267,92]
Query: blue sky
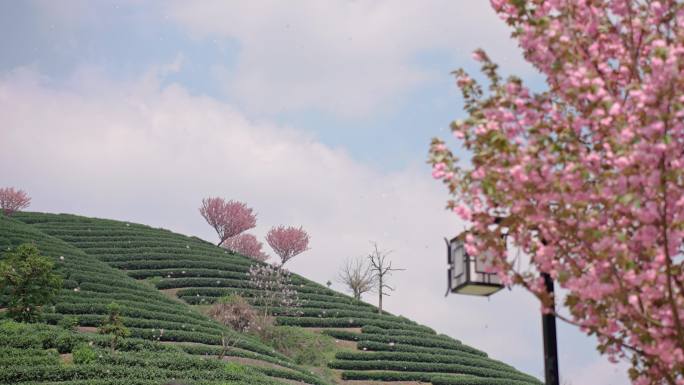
[316,113]
[121,40]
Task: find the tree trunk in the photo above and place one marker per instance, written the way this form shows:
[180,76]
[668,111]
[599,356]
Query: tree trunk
[380,296]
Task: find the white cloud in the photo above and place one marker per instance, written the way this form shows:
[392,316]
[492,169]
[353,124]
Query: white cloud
[135,151]
[344,57]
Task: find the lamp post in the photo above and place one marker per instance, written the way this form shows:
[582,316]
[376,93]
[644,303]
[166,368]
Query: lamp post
[471,275]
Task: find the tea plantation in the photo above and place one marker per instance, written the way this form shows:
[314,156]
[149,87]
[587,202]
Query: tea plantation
[163,280]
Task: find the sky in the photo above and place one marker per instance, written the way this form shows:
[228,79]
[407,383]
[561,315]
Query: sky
[315,113]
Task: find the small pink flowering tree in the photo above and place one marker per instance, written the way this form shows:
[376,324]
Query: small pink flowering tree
[227,218]
[12,200]
[287,242]
[586,178]
[247,245]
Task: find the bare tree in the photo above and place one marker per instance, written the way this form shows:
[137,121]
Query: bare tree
[381,268]
[357,275]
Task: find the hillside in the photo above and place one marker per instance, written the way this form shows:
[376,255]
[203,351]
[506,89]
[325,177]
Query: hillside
[164,280]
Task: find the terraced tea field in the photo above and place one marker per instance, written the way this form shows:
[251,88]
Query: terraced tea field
[163,280]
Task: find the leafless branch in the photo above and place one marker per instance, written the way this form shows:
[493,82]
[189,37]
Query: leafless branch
[357,275]
[381,267]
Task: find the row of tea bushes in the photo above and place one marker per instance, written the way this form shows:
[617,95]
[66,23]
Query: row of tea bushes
[427,377]
[424,367]
[427,341]
[30,353]
[344,323]
[461,359]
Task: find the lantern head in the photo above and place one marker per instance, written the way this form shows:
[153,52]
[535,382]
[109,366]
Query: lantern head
[469,274]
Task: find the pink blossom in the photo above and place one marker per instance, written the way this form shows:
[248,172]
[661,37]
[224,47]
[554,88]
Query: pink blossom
[589,173]
[287,242]
[463,212]
[247,245]
[227,218]
[478,55]
[12,200]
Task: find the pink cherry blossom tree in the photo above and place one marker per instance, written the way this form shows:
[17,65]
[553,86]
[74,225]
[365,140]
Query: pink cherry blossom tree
[12,200]
[287,242]
[227,218]
[587,177]
[246,244]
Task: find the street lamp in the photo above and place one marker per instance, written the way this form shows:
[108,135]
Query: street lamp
[468,274]
[471,275]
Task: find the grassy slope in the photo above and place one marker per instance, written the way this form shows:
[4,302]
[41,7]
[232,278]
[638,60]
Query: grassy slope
[391,348]
[90,285]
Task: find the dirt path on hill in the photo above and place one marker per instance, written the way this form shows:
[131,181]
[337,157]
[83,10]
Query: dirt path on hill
[254,362]
[291,382]
[366,382]
[340,381]
[188,343]
[86,329]
[340,343]
[319,330]
[171,293]
[347,344]
[67,358]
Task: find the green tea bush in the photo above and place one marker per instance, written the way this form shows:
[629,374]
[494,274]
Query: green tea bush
[371,329]
[467,380]
[398,347]
[427,368]
[28,280]
[291,375]
[84,354]
[463,359]
[65,342]
[28,357]
[386,376]
[304,347]
[406,340]
[68,323]
[344,323]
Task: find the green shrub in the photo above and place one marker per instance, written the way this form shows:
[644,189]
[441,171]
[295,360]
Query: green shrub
[65,342]
[113,325]
[304,347]
[27,336]
[68,323]
[29,280]
[234,368]
[84,354]
[153,280]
